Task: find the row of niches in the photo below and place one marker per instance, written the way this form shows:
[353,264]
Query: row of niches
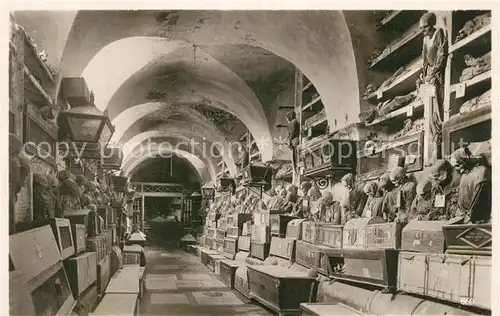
[441,194]
[469,67]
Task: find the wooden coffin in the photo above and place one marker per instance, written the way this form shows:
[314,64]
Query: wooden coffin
[125,281]
[260,250]
[136,249]
[279,289]
[87,301]
[480,288]
[48,293]
[96,244]
[376,267]
[118,304]
[354,235]
[279,224]
[81,271]
[61,227]
[424,236]
[241,281]
[277,261]
[261,234]
[108,240]
[237,220]
[228,272]
[294,229]
[103,274]
[330,235]
[220,234]
[317,257]
[261,218]
[327,309]
[222,224]
[102,211]
[468,239]
[34,251]
[116,259]
[282,247]
[233,231]
[204,253]
[78,231]
[80,217]
[412,272]
[310,232]
[384,236]
[230,247]
[449,276]
[244,243]
[211,260]
[299,268]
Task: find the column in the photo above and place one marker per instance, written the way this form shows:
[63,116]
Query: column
[142,208]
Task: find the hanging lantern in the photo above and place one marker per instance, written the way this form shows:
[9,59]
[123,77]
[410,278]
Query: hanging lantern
[208,191]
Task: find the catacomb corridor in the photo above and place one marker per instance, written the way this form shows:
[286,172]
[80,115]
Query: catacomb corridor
[190,162]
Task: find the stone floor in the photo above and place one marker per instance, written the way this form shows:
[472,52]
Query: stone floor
[177,283]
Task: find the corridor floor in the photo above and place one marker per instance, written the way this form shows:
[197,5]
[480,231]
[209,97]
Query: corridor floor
[177,283]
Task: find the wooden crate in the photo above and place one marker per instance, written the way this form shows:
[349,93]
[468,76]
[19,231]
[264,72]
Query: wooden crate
[228,272]
[449,276]
[375,267]
[384,235]
[310,232]
[204,253]
[330,235]
[424,236]
[294,229]
[279,289]
[138,250]
[468,239]
[305,254]
[282,247]
[212,258]
[233,231]
[220,234]
[354,234]
[81,271]
[260,250]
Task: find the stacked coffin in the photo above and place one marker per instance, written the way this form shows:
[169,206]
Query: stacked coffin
[318,247]
[448,262]
[234,229]
[211,227]
[38,281]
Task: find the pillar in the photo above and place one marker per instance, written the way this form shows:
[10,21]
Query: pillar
[142,209]
[431,147]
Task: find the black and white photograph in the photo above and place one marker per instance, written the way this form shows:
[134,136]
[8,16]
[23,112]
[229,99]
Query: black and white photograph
[254,162]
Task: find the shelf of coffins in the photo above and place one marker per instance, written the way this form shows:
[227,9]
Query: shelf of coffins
[468,73]
[33,89]
[34,62]
[400,83]
[413,110]
[398,18]
[374,161]
[400,51]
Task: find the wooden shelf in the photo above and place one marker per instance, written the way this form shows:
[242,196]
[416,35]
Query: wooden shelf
[471,39]
[392,144]
[406,48]
[310,104]
[402,85]
[35,62]
[480,79]
[36,87]
[399,18]
[474,117]
[398,114]
[318,122]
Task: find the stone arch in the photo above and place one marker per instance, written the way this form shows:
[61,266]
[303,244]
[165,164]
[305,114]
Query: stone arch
[317,42]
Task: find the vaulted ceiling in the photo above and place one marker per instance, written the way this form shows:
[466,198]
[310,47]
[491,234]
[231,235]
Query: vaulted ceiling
[206,76]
